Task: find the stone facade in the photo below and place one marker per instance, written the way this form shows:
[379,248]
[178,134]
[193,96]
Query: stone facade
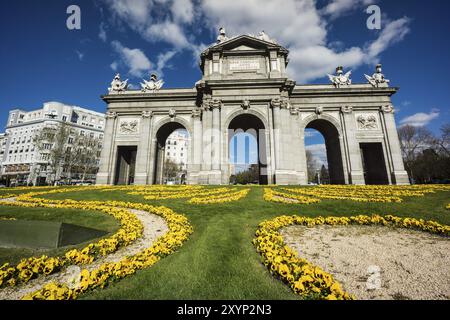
[245,87]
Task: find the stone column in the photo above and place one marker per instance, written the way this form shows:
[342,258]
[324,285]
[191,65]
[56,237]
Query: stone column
[215,176]
[351,147]
[276,104]
[215,147]
[105,173]
[161,159]
[194,167]
[143,152]
[399,175]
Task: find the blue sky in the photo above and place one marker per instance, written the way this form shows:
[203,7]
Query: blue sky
[41,60]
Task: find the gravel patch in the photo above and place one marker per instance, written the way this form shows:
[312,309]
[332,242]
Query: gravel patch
[154,227]
[377,263]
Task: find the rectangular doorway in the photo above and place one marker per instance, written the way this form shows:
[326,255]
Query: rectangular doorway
[126,165]
[375,172]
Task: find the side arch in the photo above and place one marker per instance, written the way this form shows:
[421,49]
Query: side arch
[332,132]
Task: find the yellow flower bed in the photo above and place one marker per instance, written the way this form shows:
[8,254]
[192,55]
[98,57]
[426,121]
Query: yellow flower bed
[229,196]
[308,280]
[131,229]
[282,197]
[27,269]
[195,194]
[179,231]
[7,196]
[7,219]
[349,192]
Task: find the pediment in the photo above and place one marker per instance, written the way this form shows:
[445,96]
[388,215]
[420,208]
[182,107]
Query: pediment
[246,43]
[243,48]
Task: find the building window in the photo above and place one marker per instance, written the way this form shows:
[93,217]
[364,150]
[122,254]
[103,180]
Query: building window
[64,118]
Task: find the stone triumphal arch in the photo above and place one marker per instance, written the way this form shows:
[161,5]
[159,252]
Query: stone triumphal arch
[245,87]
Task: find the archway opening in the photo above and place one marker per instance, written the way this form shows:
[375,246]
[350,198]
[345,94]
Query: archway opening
[171,154]
[247,150]
[125,166]
[323,153]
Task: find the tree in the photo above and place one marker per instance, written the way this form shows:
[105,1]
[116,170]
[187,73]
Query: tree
[413,140]
[84,155]
[324,175]
[311,165]
[443,143]
[171,169]
[51,142]
[251,175]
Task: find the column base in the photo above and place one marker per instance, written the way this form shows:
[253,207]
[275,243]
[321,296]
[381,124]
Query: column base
[357,178]
[103,178]
[287,177]
[400,178]
[140,179]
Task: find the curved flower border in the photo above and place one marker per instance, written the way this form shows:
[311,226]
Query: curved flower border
[130,230]
[310,281]
[179,231]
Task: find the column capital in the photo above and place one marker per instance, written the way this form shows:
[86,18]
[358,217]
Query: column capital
[196,113]
[387,109]
[347,109]
[111,115]
[147,114]
[275,103]
[216,104]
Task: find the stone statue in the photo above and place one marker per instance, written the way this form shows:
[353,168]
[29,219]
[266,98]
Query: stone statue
[341,79]
[377,78]
[222,36]
[117,85]
[153,85]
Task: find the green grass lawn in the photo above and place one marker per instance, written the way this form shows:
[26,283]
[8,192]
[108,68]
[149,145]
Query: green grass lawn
[219,260]
[89,219]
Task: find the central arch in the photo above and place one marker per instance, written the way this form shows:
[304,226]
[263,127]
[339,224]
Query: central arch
[253,126]
[164,131]
[333,148]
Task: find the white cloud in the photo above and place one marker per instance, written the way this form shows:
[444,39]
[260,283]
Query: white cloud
[163,60]
[300,25]
[134,59]
[406,103]
[319,152]
[392,33]
[183,11]
[102,32]
[338,8]
[114,66]
[169,32]
[135,12]
[420,119]
[80,55]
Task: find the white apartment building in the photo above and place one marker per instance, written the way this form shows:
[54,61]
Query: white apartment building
[2,151]
[177,145]
[22,163]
